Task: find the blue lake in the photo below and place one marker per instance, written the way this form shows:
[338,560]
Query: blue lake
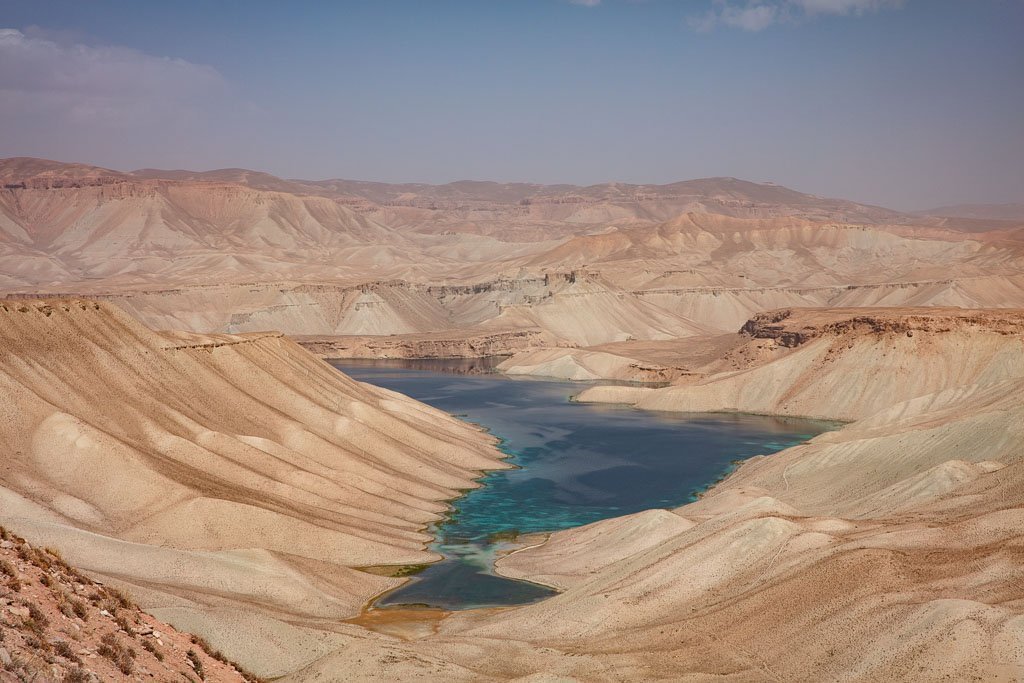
[576,464]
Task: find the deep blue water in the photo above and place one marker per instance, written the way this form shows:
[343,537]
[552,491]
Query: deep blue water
[577,463]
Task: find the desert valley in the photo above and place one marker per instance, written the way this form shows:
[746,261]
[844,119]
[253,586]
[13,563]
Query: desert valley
[561,341]
[171,429]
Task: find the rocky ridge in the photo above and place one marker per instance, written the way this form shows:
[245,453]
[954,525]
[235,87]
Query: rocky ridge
[57,624]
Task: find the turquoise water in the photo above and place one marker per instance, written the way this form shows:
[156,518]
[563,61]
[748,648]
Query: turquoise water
[577,463]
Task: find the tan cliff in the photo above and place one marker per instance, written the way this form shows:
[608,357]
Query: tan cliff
[843,363]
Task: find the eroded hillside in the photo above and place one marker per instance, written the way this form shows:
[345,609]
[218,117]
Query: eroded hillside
[218,478]
[237,250]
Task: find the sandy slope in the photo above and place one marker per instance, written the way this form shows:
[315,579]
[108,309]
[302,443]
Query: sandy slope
[237,251]
[892,549]
[583,364]
[844,363]
[216,471]
[231,481]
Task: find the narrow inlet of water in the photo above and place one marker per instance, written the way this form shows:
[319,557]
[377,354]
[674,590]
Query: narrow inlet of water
[576,463]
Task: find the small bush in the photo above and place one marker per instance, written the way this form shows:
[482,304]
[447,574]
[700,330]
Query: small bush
[122,657]
[34,642]
[79,608]
[205,646]
[64,650]
[79,576]
[248,676]
[122,600]
[7,568]
[64,605]
[17,662]
[36,614]
[39,559]
[124,625]
[151,646]
[76,675]
[197,663]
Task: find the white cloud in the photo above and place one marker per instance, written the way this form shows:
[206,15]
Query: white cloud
[752,18]
[586,3]
[112,84]
[757,15]
[844,7]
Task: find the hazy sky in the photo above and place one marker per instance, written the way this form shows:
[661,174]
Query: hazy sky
[906,104]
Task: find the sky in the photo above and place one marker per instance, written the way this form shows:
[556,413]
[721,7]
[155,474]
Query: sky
[906,104]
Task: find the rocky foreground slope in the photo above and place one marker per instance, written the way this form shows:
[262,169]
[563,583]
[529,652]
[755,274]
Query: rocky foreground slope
[57,624]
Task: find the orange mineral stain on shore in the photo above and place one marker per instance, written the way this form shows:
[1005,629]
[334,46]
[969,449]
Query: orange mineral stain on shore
[410,623]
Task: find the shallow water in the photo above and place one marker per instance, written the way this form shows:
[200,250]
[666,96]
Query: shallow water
[578,463]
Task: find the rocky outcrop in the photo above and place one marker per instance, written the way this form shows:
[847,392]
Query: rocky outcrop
[791,330]
[844,364]
[443,345]
[57,624]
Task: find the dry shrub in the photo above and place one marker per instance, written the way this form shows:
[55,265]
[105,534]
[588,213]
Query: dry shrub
[36,621]
[62,648]
[122,656]
[121,599]
[8,570]
[208,649]
[79,608]
[76,675]
[40,559]
[197,663]
[36,614]
[124,625]
[151,646]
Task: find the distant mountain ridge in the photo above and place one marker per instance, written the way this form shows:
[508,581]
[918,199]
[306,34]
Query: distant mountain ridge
[727,191]
[239,250]
[997,212]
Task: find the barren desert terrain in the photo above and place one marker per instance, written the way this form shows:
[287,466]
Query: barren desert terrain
[170,428]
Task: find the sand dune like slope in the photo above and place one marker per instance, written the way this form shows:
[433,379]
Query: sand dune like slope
[892,549]
[216,472]
[844,363]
